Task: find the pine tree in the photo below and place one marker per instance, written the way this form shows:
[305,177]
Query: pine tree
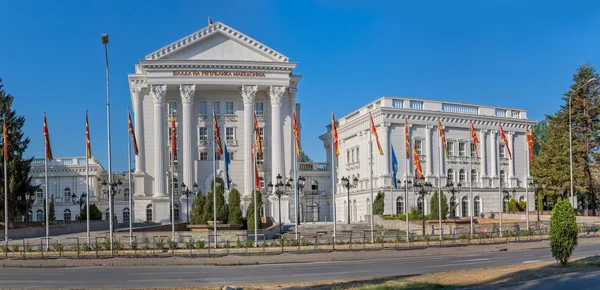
[250,212]
[379,204]
[434,206]
[95,213]
[52,216]
[197,211]
[234,211]
[19,181]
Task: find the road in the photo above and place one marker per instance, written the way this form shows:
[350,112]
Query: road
[182,276]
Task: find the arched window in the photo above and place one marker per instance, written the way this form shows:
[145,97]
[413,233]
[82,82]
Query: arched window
[450,175]
[149,213]
[126,194]
[67,214]
[67,194]
[505,204]
[126,215]
[40,194]
[477,206]
[30,216]
[315,185]
[176,210]
[521,199]
[39,215]
[400,205]
[420,205]
[465,207]
[461,176]
[474,177]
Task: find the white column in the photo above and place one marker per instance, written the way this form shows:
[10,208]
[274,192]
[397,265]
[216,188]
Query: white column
[137,100]
[248,95]
[385,144]
[428,151]
[511,164]
[187,93]
[494,153]
[483,154]
[158,95]
[277,166]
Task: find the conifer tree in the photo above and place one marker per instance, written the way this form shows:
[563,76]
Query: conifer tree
[234,211]
[434,206]
[197,211]
[250,212]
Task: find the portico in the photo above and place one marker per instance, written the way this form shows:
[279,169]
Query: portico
[216,69]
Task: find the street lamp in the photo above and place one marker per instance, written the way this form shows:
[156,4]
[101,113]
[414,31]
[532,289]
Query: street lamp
[573,204]
[298,186]
[453,189]
[113,188]
[535,185]
[80,201]
[280,189]
[187,193]
[422,188]
[29,199]
[105,43]
[347,185]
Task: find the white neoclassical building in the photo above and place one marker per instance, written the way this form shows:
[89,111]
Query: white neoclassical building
[490,164]
[218,69]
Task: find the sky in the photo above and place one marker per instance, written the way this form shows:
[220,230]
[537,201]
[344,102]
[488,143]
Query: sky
[509,53]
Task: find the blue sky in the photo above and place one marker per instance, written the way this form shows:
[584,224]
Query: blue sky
[507,53]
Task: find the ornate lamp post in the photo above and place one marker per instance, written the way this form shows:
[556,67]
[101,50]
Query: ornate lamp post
[280,189]
[298,186]
[29,199]
[453,189]
[535,185]
[80,201]
[187,193]
[113,188]
[422,188]
[347,185]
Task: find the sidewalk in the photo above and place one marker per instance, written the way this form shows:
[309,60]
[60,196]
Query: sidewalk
[234,260]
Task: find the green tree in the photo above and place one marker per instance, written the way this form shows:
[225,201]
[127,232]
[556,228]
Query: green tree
[304,157]
[52,216]
[379,204]
[234,210]
[539,135]
[208,205]
[19,180]
[563,231]
[250,211]
[513,206]
[434,206]
[197,212]
[95,213]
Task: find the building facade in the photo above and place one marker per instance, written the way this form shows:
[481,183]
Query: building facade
[216,69]
[487,171]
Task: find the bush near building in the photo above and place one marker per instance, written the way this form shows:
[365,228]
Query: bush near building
[563,231]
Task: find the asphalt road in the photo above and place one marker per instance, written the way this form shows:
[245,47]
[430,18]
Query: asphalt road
[181,276]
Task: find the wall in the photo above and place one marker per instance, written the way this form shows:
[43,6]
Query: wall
[55,230]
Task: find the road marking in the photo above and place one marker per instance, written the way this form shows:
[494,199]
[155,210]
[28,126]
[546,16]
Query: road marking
[457,264]
[532,261]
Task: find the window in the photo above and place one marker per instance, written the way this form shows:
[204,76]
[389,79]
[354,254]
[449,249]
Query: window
[450,149]
[416,105]
[172,106]
[500,113]
[67,195]
[450,175]
[259,108]
[357,155]
[40,215]
[203,133]
[30,216]
[229,133]
[462,149]
[419,145]
[230,155]
[501,151]
[40,194]
[477,206]
[514,114]
[261,133]
[473,150]
[176,211]
[229,108]
[420,205]
[473,176]
[396,103]
[315,185]
[400,205]
[260,159]
[461,176]
[217,108]
[126,194]
[203,109]
[353,156]
[217,157]
[465,207]
[126,215]
[67,215]
[149,213]
[348,157]
[203,155]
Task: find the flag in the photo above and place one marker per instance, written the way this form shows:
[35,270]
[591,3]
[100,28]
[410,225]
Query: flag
[217,135]
[336,141]
[47,137]
[256,177]
[530,145]
[503,137]
[257,136]
[374,131]
[394,168]
[173,136]
[135,147]
[88,146]
[227,161]
[210,21]
[5,138]
[296,134]
[443,137]
[475,140]
[417,163]
[407,139]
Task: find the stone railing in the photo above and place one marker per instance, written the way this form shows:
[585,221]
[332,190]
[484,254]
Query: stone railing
[314,166]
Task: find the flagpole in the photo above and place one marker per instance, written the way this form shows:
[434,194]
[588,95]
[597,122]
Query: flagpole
[333,186]
[472,206]
[440,179]
[47,192]
[5,188]
[371,165]
[527,182]
[215,179]
[130,189]
[295,160]
[255,158]
[499,180]
[406,179]
[87,196]
[391,178]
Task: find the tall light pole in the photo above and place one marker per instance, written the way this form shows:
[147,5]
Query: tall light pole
[110,197]
[347,185]
[280,189]
[187,193]
[573,200]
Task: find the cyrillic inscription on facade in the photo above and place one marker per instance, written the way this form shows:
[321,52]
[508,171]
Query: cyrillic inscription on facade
[218,74]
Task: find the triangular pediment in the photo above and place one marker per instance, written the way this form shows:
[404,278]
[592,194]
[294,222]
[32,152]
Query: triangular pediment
[217,42]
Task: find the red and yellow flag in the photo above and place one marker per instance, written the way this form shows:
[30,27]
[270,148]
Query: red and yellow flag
[217,135]
[5,138]
[256,177]
[529,145]
[336,140]
[443,137]
[88,144]
[407,139]
[257,136]
[475,140]
[47,137]
[296,134]
[132,132]
[374,131]
[173,136]
[503,137]
[417,162]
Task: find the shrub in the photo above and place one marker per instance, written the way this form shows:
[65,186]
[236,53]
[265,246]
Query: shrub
[160,244]
[172,244]
[15,248]
[208,206]
[563,231]
[250,212]
[513,206]
[117,245]
[434,206]
[189,244]
[234,210]
[199,244]
[134,245]
[28,248]
[379,203]
[522,205]
[197,211]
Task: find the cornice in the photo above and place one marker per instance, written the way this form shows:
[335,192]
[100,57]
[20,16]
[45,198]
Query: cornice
[217,27]
[216,66]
